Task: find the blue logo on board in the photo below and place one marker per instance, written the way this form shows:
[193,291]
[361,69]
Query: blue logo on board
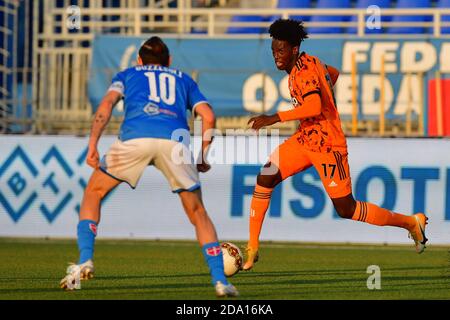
[45,184]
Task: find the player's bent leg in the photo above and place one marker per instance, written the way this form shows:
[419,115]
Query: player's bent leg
[287,160]
[207,237]
[196,212]
[334,172]
[345,206]
[266,181]
[370,213]
[269,177]
[99,185]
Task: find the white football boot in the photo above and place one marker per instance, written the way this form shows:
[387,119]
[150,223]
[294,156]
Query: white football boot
[76,273]
[418,232]
[226,290]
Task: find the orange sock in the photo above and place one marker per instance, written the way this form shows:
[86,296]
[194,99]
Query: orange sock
[370,213]
[258,209]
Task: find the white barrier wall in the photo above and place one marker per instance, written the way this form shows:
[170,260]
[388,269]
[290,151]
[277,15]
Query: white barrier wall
[42,179]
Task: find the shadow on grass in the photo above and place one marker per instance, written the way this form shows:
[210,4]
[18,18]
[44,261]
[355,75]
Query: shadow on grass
[336,271]
[339,280]
[155,276]
[109,277]
[91,287]
[363,277]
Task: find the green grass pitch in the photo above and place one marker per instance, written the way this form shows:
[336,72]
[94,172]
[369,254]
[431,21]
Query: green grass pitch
[175,270]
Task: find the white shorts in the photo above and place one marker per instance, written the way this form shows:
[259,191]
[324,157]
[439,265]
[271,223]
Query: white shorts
[126,161]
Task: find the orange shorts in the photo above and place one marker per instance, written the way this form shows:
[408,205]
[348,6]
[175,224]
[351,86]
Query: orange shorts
[291,157]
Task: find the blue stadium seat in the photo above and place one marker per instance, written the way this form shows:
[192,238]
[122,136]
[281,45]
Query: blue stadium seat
[446,18]
[199,31]
[328,4]
[366,4]
[247,29]
[294,4]
[408,4]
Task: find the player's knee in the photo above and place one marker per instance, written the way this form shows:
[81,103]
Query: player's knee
[268,179]
[344,212]
[345,207]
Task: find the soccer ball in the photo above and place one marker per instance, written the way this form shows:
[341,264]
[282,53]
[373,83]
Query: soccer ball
[232,258]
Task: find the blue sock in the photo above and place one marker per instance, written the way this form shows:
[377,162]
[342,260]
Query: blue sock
[214,258]
[87,230]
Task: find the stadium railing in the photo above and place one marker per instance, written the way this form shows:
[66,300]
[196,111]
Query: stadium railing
[137,21]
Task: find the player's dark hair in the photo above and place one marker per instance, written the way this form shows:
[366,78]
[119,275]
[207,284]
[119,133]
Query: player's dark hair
[288,30]
[154,51]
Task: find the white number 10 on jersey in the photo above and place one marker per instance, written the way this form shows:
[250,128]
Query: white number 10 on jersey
[166,90]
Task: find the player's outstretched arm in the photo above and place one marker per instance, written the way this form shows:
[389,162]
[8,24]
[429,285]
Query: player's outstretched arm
[205,112]
[101,119]
[311,107]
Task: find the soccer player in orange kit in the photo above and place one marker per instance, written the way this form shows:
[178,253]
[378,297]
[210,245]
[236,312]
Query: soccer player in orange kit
[319,142]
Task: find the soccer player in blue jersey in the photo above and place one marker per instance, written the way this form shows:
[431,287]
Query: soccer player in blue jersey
[156,102]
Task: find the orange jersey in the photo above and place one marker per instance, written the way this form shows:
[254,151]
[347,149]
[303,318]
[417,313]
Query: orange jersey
[322,133]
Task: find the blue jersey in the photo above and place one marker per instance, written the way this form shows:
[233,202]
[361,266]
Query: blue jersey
[156,101]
